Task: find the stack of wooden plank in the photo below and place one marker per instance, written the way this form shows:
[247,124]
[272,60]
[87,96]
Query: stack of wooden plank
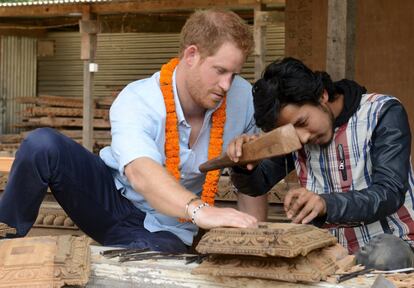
[277,251]
[9,144]
[62,113]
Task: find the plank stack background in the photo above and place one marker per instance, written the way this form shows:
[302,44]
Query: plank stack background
[63,114]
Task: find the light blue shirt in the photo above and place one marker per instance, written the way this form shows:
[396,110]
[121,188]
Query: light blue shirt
[138,130]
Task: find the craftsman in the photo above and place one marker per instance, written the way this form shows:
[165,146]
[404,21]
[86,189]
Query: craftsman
[145,190]
[354,168]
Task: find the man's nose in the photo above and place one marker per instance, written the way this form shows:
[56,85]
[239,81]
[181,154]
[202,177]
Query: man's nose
[303,135]
[225,82]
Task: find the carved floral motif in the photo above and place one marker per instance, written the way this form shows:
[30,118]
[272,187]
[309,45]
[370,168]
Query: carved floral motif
[270,239]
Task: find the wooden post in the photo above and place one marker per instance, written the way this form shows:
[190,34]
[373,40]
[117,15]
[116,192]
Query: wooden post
[259,35]
[340,54]
[88,29]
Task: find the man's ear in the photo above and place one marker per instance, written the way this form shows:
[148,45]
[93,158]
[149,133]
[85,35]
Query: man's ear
[191,55]
[325,97]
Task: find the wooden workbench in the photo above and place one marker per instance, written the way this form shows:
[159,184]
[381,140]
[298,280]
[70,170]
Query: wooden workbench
[175,273]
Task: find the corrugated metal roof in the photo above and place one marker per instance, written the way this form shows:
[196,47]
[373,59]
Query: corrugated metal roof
[48,2]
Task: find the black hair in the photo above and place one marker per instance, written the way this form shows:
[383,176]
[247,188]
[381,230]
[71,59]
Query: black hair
[287,81]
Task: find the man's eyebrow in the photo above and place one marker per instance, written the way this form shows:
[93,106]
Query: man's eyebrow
[226,70]
[299,120]
[219,67]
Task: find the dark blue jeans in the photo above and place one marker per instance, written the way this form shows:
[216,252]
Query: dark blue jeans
[83,185]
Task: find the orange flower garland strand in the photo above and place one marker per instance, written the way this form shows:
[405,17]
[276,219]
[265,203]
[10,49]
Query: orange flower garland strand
[172,146]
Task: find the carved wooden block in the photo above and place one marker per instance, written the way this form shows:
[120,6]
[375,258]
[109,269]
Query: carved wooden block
[51,215]
[4,230]
[313,267]
[49,261]
[270,239]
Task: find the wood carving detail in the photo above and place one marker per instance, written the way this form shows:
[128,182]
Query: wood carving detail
[50,261]
[4,230]
[270,239]
[313,267]
[228,192]
[54,218]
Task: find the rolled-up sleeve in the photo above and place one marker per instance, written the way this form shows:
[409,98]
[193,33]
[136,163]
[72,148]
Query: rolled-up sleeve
[136,123]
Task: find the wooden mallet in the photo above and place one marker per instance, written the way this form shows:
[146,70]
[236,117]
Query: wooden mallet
[280,141]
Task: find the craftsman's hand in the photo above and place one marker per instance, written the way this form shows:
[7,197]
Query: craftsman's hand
[234,149]
[302,205]
[212,217]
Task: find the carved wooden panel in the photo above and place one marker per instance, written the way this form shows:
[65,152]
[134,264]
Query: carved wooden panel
[313,267]
[49,261]
[270,239]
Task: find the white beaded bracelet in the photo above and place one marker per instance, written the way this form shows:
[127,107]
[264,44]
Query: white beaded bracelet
[187,206]
[196,209]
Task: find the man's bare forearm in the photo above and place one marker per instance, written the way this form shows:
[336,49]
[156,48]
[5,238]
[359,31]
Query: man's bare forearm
[158,187]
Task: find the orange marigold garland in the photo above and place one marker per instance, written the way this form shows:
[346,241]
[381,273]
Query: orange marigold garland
[214,150]
[172,146]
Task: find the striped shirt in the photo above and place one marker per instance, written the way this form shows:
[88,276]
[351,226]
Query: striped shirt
[346,165]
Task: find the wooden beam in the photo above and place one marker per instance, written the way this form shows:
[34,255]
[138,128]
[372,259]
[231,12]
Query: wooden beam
[59,111]
[261,20]
[6,163]
[35,33]
[50,22]
[259,35]
[340,54]
[62,101]
[41,10]
[128,7]
[88,52]
[133,23]
[63,122]
[38,24]
[89,26]
[178,5]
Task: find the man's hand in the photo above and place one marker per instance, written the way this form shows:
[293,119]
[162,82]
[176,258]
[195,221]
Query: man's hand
[234,149]
[302,205]
[212,217]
